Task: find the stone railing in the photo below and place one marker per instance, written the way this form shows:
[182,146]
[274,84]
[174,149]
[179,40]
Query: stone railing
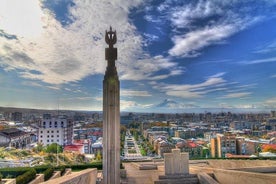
[67,171]
[8,181]
[38,179]
[84,176]
[233,176]
[56,174]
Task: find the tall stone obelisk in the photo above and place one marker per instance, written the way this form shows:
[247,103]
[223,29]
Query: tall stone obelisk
[111,114]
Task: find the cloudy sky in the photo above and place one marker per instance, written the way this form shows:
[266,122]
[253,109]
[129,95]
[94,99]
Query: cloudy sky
[173,55]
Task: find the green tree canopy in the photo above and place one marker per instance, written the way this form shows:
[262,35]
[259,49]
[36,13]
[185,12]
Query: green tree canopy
[54,148]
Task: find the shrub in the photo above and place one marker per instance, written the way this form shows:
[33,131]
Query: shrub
[41,169]
[26,177]
[48,173]
[13,172]
[97,165]
[61,169]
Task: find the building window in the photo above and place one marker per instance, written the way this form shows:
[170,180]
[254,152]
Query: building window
[57,140]
[48,136]
[52,131]
[57,131]
[52,135]
[57,135]
[41,131]
[48,131]
[47,140]
[52,140]
[41,136]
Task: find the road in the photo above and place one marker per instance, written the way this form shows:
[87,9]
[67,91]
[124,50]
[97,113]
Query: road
[131,148]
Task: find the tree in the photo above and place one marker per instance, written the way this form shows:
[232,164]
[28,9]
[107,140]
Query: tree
[269,148]
[2,127]
[39,147]
[99,156]
[54,148]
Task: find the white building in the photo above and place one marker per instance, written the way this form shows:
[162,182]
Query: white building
[55,130]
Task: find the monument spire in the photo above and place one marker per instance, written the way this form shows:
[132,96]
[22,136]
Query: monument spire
[111,113]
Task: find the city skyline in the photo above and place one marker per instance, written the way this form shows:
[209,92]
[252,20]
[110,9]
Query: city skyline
[173,56]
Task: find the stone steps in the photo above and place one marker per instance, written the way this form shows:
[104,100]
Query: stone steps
[177,176]
[178,181]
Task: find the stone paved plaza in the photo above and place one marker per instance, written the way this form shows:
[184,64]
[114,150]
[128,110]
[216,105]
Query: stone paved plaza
[261,170]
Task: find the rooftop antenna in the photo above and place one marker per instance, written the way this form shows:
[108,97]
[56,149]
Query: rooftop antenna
[58,107]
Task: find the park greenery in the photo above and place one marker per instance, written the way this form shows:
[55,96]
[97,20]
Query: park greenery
[24,175]
[52,154]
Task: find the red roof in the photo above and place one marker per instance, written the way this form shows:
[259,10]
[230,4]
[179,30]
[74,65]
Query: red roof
[200,142]
[229,155]
[272,146]
[75,148]
[81,141]
[192,145]
[97,133]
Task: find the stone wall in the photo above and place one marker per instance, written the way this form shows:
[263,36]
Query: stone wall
[67,171]
[56,174]
[260,169]
[38,179]
[236,164]
[84,176]
[9,181]
[204,178]
[233,177]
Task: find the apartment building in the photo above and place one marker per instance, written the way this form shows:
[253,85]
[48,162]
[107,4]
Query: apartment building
[223,144]
[55,130]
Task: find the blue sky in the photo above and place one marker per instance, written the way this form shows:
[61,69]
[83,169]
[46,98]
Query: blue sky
[173,56]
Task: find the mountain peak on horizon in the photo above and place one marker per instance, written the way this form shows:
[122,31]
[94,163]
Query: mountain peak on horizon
[168,103]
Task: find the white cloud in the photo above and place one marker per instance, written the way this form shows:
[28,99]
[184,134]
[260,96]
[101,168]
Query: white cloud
[189,44]
[130,105]
[193,90]
[150,18]
[145,69]
[61,54]
[206,23]
[270,103]
[241,88]
[183,16]
[270,47]
[259,61]
[53,87]
[237,95]
[134,93]
[21,19]
[217,75]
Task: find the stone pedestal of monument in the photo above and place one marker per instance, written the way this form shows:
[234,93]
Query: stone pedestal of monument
[177,169]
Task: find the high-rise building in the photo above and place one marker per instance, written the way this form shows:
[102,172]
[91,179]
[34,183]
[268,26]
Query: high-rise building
[55,130]
[223,144]
[273,114]
[16,116]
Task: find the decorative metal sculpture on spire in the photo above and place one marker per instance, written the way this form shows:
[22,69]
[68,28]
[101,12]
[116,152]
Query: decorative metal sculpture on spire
[111,52]
[110,37]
